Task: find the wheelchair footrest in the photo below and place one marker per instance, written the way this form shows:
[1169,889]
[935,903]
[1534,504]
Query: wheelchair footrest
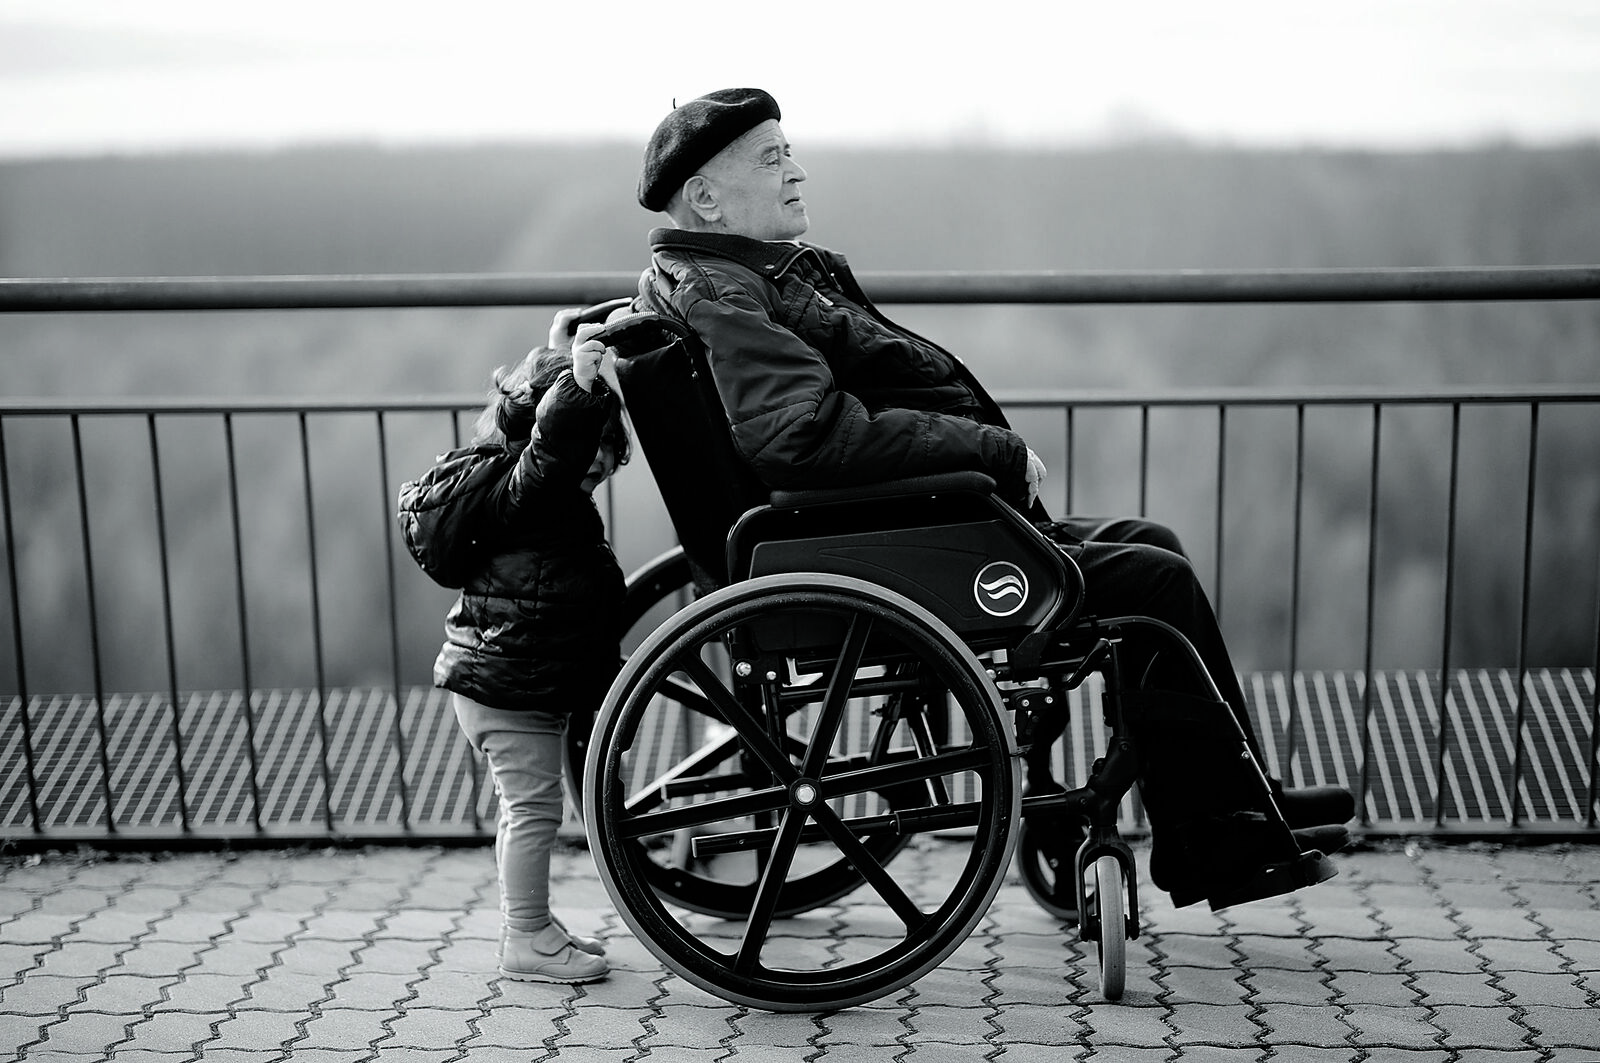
[1271,880]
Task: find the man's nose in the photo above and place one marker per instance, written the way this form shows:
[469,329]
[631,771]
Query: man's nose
[796,171]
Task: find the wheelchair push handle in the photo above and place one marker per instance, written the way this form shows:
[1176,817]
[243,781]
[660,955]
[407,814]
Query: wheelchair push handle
[626,331]
[597,313]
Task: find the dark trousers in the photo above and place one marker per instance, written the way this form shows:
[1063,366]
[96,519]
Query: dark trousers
[1134,567]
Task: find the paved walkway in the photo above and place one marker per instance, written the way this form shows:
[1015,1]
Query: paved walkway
[1424,955]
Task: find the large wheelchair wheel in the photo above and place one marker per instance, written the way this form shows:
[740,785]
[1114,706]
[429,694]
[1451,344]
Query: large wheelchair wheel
[785,726]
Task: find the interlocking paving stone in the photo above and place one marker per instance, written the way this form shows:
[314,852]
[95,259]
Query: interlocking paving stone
[1348,954]
[252,1029]
[123,994]
[1529,988]
[84,1031]
[177,1031]
[1023,1052]
[530,1027]
[1364,987]
[1381,1024]
[1571,1027]
[1127,1026]
[1221,1054]
[201,992]
[1501,954]
[1453,987]
[1226,1024]
[1203,985]
[1428,954]
[75,957]
[44,994]
[1485,1027]
[1302,1024]
[285,989]
[1287,987]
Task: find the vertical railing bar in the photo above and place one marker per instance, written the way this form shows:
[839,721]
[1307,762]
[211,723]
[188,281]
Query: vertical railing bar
[1522,627]
[94,626]
[473,767]
[1071,455]
[316,622]
[1144,459]
[1372,593]
[1291,730]
[394,622]
[1594,707]
[175,715]
[244,625]
[1446,686]
[1222,472]
[17,645]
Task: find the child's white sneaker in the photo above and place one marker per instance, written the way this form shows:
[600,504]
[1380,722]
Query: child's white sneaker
[547,955]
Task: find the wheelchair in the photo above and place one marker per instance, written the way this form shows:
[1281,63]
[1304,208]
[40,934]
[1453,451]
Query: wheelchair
[845,673]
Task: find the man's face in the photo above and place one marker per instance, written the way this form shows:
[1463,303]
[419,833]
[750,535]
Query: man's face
[757,186]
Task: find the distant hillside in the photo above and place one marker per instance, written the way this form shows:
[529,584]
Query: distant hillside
[555,207]
[355,209]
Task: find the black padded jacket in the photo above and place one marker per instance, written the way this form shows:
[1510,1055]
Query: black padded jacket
[820,388]
[538,622]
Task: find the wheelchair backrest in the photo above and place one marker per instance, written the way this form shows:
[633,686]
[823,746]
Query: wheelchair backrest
[680,425]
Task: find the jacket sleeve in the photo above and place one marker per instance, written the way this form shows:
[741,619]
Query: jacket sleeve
[565,440]
[798,429]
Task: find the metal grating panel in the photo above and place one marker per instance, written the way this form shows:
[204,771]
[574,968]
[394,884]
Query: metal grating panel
[360,784]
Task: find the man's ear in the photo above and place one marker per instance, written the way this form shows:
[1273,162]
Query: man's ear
[700,197]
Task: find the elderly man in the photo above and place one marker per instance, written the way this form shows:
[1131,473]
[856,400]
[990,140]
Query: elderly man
[821,389]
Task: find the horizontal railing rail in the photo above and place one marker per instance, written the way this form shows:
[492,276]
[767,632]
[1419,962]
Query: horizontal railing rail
[1503,750]
[1477,284]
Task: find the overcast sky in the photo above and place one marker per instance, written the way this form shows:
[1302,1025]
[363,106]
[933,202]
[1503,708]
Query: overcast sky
[96,75]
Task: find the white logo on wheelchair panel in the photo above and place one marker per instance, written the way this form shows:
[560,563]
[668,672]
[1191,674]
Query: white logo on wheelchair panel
[1000,588]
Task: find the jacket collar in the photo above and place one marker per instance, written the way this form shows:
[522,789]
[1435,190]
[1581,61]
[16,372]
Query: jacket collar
[770,258]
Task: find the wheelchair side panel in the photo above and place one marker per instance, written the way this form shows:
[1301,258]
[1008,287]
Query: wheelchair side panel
[974,576]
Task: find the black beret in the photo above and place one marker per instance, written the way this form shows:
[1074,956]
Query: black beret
[693,134]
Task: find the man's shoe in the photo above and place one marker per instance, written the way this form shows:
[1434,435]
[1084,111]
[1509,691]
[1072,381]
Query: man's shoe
[1239,858]
[1313,806]
[547,955]
[593,946]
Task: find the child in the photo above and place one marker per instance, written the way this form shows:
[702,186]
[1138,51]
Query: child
[536,630]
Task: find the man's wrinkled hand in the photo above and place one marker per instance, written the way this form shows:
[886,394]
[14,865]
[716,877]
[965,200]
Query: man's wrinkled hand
[1035,476]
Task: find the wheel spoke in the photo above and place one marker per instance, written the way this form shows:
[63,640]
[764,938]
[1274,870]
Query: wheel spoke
[749,727]
[690,698]
[749,803]
[837,698]
[907,770]
[880,879]
[696,764]
[773,879]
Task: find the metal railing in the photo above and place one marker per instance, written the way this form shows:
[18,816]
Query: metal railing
[370,777]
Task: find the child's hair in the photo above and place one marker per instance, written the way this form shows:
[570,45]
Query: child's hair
[509,416]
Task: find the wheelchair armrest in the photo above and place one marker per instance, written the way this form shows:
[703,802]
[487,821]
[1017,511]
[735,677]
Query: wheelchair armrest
[938,483]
